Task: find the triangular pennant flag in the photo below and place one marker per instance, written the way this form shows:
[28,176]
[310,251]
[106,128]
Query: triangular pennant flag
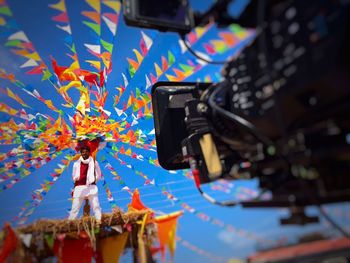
[219,46]
[14,43]
[133,63]
[119,112]
[228,38]
[49,240]
[117,228]
[139,57]
[171,58]
[29,63]
[148,83]
[115,5]
[59,6]
[94,48]
[164,64]
[63,18]
[158,70]
[200,31]
[166,226]
[94,16]
[126,83]
[209,48]
[112,247]
[147,40]
[26,239]
[95,5]
[136,203]
[111,25]
[185,68]
[107,46]
[182,46]
[93,26]
[19,36]
[4,10]
[65,28]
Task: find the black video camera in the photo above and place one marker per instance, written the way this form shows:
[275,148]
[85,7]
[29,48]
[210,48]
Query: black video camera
[282,113]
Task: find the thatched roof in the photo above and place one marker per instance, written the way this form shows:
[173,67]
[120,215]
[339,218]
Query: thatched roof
[115,223]
[49,226]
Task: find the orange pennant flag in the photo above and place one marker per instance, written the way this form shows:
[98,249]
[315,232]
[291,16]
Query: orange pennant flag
[166,226]
[136,203]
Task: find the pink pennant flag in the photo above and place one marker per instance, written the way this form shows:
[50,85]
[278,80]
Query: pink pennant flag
[209,49]
[143,47]
[63,18]
[153,78]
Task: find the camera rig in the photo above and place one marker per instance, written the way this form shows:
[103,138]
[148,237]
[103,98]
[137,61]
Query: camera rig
[280,115]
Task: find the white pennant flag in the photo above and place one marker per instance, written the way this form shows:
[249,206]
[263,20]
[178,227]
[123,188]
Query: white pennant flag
[30,63]
[118,228]
[147,40]
[111,26]
[148,82]
[182,46]
[94,48]
[19,36]
[65,28]
[126,83]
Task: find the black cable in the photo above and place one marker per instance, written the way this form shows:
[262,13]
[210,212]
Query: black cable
[235,118]
[332,222]
[316,201]
[200,57]
[229,203]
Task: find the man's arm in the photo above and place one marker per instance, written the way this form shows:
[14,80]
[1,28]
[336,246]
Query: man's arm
[75,174]
[98,173]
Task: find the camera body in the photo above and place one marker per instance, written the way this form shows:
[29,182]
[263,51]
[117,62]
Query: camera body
[279,116]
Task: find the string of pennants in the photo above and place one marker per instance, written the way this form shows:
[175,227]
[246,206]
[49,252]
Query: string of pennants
[201,215]
[38,194]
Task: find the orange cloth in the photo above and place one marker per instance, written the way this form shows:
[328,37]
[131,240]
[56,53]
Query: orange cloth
[166,226]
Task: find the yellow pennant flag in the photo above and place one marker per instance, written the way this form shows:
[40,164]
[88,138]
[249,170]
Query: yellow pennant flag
[158,70]
[112,247]
[59,6]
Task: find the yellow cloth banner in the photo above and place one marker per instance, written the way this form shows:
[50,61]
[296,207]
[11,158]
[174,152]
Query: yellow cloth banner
[112,247]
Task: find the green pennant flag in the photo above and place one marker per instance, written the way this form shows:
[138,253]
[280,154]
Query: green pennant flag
[107,46]
[73,49]
[47,74]
[49,240]
[146,98]
[185,68]
[235,28]
[138,93]
[93,26]
[13,43]
[131,71]
[171,58]
[115,148]
[5,11]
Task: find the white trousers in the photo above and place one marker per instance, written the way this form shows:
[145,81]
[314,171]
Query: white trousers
[78,202]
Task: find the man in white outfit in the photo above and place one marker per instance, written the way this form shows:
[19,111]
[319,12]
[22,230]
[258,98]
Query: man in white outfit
[86,172]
